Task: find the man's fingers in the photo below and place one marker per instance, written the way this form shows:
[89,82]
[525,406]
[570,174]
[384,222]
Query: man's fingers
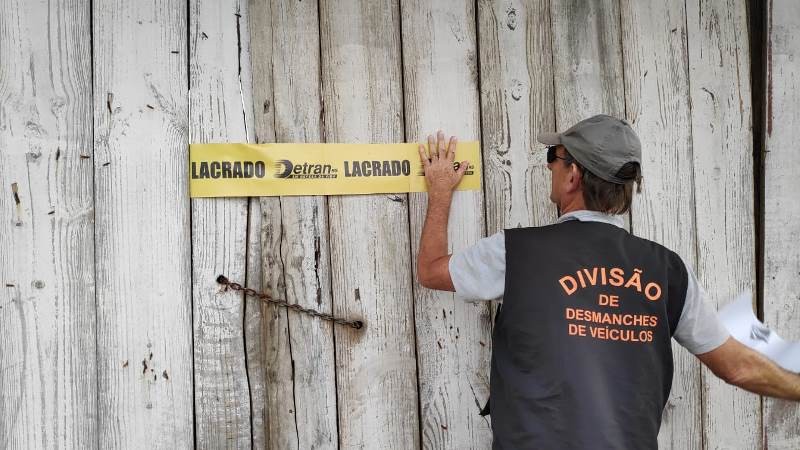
[451,149]
[462,168]
[432,147]
[423,156]
[440,145]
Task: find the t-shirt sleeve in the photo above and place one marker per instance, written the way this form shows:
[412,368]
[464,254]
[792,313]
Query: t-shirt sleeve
[479,272]
[699,329]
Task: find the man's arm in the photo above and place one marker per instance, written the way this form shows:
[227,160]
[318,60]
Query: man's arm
[741,366]
[433,260]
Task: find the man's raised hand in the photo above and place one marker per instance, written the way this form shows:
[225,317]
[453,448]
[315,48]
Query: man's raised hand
[441,173]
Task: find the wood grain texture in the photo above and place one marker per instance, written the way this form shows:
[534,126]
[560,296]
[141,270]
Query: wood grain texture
[220,110]
[261,211]
[255,330]
[371,267]
[587,62]
[295,249]
[142,225]
[47,296]
[268,209]
[657,101]
[719,74]
[453,336]
[781,208]
[516,104]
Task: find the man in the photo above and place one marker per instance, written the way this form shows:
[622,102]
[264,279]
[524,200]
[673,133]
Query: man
[581,352]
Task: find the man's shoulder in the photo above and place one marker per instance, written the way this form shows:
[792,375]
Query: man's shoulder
[534,228]
[567,226]
[658,248]
[645,243]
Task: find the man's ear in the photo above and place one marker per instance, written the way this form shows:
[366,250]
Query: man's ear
[574,178]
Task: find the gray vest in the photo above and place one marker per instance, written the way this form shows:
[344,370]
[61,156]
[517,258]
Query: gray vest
[581,355]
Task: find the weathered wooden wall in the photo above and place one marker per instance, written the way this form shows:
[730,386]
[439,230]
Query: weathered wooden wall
[299,351]
[49,349]
[141,217]
[440,68]
[722,161]
[115,332]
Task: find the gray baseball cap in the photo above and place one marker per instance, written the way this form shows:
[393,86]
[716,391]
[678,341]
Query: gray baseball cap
[602,144]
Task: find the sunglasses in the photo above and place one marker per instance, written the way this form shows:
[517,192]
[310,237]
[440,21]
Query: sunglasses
[551,154]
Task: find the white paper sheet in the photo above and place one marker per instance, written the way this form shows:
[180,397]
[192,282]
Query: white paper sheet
[744,326]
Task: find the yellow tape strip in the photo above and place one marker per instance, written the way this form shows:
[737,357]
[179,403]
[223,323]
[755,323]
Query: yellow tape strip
[260,170]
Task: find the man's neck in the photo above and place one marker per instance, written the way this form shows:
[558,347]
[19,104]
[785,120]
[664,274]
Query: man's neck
[572,206]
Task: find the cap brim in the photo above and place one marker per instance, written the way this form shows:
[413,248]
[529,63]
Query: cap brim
[549,138]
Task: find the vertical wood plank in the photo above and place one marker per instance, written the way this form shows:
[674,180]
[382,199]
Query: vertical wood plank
[255,329]
[47,296]
[587,62]
[220,110]
[781,208]
[655,62]
[260,213]
[371,273]
[295,250]
[453,337]
[719,75]
[516,73]
[142,225]
[279,425]
[587,67]
[256,336]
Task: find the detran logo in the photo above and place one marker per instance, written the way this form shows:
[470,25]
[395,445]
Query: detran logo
[287,169]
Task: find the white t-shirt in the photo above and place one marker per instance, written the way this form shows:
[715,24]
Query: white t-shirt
[478,273]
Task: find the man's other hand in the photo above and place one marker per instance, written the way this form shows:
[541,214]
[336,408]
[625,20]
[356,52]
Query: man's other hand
[742,366]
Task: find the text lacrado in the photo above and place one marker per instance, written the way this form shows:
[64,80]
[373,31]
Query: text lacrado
[393,168]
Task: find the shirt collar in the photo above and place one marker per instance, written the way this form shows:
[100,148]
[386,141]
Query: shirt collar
[585,215]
